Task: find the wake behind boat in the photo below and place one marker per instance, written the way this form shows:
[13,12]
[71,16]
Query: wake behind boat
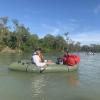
[29,67]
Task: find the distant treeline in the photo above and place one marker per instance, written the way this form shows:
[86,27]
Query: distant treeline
[17,36]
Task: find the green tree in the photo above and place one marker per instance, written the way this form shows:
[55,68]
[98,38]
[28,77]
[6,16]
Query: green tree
[22,34]
[4,31]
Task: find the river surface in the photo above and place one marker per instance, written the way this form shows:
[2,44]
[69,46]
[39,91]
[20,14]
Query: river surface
[83,84]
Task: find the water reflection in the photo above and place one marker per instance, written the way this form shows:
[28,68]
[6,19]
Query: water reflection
[44,86]
[38,84]
[73,79]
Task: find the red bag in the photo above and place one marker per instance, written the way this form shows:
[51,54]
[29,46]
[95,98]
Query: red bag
[72,60]
[77,59]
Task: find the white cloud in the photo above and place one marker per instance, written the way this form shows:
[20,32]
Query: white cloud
[51,29]
[97,9]
[60,28]
[73,20]
[87,37]
[56,31]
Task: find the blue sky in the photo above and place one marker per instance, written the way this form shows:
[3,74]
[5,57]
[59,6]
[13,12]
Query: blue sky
[81,18]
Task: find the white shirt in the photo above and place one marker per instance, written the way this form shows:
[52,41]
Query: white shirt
[37,61]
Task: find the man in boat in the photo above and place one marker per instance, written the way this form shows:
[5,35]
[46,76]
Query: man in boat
[38,60]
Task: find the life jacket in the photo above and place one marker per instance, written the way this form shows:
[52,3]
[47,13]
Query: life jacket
[71,59]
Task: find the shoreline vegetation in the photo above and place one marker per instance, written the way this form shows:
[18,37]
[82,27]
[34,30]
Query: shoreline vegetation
[9,50]
[18,38]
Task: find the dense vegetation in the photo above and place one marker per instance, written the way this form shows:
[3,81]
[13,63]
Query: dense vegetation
[17,36]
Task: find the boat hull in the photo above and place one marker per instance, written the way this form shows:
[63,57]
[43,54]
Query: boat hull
[29,67]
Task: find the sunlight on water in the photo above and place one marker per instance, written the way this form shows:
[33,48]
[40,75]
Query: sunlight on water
[37,84]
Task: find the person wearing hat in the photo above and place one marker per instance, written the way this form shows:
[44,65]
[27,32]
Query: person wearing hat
[39,61]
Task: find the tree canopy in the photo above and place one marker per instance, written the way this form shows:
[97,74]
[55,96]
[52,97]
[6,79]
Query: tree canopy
[21,38]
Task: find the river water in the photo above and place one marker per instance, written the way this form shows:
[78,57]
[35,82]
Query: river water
[83,84]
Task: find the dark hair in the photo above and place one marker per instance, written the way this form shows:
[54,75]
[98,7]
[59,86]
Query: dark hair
[66,50]
[40,49]
[37,49]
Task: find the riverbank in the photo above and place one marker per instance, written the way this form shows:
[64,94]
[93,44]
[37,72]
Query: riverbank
[9,50]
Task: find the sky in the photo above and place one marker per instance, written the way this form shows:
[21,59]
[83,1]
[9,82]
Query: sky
[81,18]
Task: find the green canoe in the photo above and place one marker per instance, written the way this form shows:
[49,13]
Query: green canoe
[29,67]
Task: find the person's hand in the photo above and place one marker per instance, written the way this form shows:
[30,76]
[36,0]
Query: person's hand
[49,62]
